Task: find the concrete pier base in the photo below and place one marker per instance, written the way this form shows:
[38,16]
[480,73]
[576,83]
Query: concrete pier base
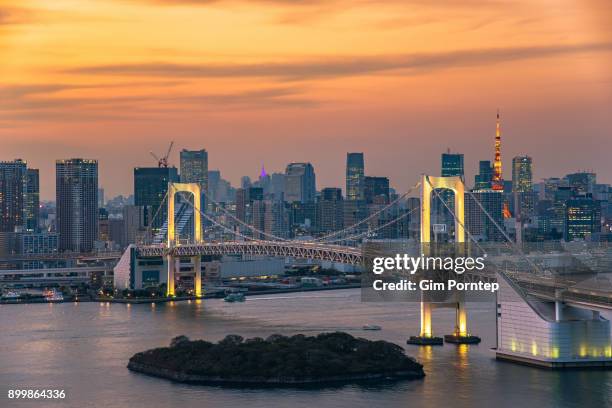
[457,339]
[425,341]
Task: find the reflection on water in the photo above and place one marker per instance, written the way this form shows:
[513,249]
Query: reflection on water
[84,348]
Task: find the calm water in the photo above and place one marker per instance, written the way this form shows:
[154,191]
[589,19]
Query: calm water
[84,348]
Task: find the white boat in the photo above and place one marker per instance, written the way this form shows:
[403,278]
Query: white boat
[11,295]
[371,327]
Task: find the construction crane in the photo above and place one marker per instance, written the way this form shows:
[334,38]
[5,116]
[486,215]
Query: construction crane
[163,162]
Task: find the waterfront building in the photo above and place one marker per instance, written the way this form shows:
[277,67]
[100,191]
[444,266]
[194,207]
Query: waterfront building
[77,204]
[300,183]
[13,179]
[355,177]
[31,201]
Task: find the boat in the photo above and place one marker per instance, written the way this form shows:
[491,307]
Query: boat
[11,295]
[234,297]
[53,296]
[371,327]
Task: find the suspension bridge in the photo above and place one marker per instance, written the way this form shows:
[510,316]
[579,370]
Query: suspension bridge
[554,322]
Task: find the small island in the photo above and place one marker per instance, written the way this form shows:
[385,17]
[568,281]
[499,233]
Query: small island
[278,360]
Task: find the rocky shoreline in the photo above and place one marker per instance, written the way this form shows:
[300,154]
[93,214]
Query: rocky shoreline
[182,377]
[331,358]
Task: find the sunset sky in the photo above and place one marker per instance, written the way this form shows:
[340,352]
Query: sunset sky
[276,81]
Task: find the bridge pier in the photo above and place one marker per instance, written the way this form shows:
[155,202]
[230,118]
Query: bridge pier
[171,261]
[197,278]
[461,335]
[425,337]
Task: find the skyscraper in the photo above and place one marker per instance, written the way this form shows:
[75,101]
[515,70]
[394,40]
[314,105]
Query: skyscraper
[300,183]
[194,169]
[582,218]
[376,187]
[477,221]
[76,186]
[483,180]
[581,183]
[452,164]
[13,179]
[522,174]
[330,210]
[31,200]
[150,188]
[355,177]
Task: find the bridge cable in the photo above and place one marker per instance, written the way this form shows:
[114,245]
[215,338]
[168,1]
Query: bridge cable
[366,233]
[397,200]
[239,221]
[211,219]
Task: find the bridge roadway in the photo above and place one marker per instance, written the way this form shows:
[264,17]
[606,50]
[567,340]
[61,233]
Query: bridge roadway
[558,289]
[294,249]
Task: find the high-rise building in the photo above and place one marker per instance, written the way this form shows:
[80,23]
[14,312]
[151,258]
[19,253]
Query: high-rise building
[31,200]
[214,178]
[484,179]
[13,179]
[150,189]
[134,224]
[355,177]
[76,186]
[452,164]
[478,222]
[245,182]
[522,174]
[100,197]
[330,210]
[300,183]
[277,186]
[376,187]
[194,169]
[581,183]
[271,217]
[582,218]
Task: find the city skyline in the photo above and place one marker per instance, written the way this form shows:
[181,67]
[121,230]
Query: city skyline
[279,82]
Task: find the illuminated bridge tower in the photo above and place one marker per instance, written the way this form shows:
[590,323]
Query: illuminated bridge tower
[460,334]
[195,190]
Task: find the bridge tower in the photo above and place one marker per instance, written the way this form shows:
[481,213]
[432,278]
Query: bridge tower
[173,189]
[460,333]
